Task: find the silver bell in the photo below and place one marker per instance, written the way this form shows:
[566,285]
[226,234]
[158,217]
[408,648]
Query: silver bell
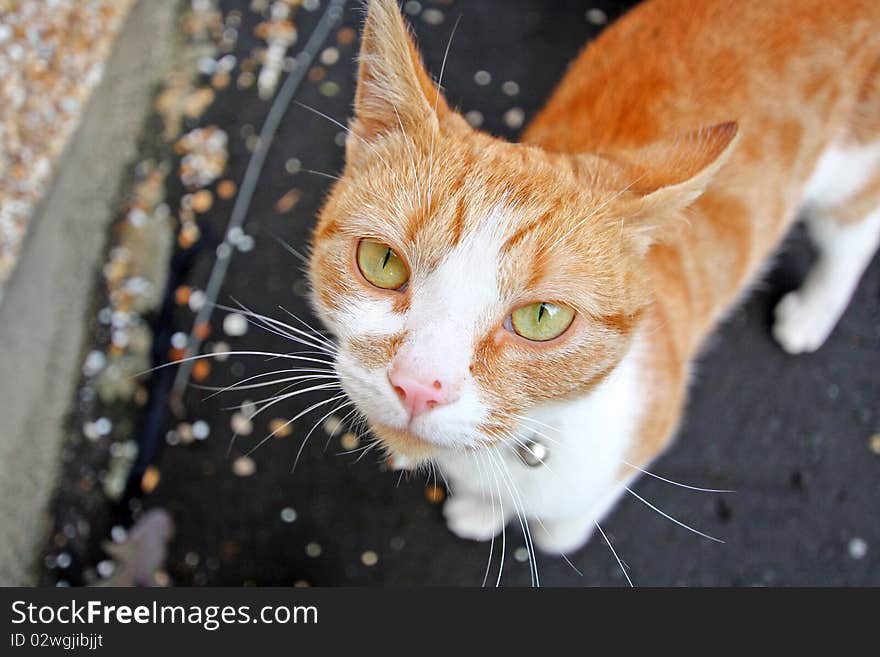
[533,453]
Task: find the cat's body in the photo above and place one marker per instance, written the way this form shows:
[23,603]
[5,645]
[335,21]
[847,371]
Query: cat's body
[637,202]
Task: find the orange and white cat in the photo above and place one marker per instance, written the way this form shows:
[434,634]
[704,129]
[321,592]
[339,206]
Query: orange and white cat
[496,301]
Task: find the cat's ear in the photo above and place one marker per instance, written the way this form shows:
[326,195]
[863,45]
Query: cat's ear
[668,176]
[394,91]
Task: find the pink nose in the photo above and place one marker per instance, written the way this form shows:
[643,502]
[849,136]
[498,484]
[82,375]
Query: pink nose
[417,393]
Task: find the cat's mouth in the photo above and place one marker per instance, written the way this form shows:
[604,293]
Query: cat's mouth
[404,444]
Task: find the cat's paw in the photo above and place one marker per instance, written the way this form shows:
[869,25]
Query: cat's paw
[802,325]
[562,536]
[472,518]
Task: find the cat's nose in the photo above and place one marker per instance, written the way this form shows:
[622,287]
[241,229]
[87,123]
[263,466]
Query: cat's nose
[419,393]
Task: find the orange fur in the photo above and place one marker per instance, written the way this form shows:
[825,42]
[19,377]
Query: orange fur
[662,173]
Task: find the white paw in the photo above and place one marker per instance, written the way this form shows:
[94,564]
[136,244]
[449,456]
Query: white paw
[801,324]
[562,536]
[472,518]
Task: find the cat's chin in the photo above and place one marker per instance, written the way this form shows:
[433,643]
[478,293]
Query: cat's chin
[403,446]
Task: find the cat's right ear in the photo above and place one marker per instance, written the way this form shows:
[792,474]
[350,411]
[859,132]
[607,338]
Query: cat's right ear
[394,91]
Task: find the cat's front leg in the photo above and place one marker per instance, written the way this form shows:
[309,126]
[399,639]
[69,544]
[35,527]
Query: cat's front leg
[475,517]
[565,534]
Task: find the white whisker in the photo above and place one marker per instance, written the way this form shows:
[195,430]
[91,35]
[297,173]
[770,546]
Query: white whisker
[669,517]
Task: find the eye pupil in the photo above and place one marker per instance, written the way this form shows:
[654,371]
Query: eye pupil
[541,321]
[380,265]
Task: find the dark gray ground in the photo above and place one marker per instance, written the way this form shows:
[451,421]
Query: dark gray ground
[790,435]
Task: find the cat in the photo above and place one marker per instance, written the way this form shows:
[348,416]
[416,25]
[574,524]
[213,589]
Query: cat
[525,316]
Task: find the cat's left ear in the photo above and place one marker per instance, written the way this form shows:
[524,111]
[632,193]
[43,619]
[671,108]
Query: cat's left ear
[394,91]
[667,177]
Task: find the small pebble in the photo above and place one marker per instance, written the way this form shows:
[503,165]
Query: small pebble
[332,425]
[510,88]
[288,515]
[346,36]
[329,56]
[94,363]
[244,466]
[226,189]
[293,165]
[150,479]
[196,300]
[200,430]
[179,340]
[329,89]
[241,424]
[220,351]
[103,426]
[280,428]
[249,408]
[235,324]
[596,16]
[287,202]
[349,440]
[474,118]
[483,78]
[105,568]
[369,558]
[435,494]
[514,118]
[202,201]
[433,16]
[858,548]
[118,534]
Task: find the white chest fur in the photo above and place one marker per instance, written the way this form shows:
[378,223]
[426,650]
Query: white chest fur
[579,481]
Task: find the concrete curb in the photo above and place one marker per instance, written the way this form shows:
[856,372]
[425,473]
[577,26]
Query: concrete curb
[43,312]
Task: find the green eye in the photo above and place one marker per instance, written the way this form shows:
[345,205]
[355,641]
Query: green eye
[540,322]
[381,266]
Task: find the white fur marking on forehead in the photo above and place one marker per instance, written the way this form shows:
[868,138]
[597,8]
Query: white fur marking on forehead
[465,284]
[453,305]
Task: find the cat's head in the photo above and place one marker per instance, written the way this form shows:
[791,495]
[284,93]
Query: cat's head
[469,280]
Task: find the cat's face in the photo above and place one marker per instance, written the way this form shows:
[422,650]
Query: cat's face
[468,280]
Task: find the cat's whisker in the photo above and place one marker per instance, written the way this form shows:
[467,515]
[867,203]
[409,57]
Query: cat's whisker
[350,132]
[519,508]
[290,249]
[338,428]
[503,523]
[215,354]
[236,387]
[291,420]
[312,339]
[316,425]
[318,335]
[614,552]
[676,483]
[669,517]
[475,454]
[281,397]
[624,462]
[436,125]
[323,174]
